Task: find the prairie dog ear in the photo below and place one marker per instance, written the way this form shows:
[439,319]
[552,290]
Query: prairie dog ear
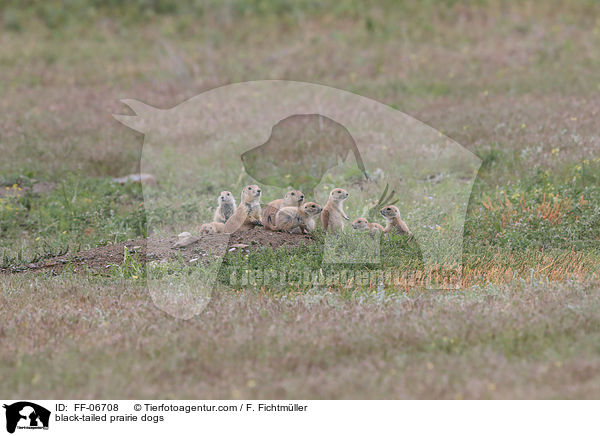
[144,114]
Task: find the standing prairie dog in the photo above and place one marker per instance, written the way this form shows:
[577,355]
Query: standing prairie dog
[363,225]
[291,199]
[288,218]
[226,207]
[248,213]
[394,223]
[333,216]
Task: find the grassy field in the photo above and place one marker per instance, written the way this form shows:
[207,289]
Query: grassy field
[514,82]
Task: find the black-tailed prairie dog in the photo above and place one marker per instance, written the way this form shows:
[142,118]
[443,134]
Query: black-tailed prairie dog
[248,213]
[291,199]
[394,223]
[211,228]
[288,218]
[226,207]
[333,216]
[363,225]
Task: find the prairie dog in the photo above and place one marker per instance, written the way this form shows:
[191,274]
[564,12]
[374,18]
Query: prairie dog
[210,228]
[226,207]
[333,216]
[365,226]
[184,239]
[288,218]
[291,199]
[248,212]
[394,223]
[219,227]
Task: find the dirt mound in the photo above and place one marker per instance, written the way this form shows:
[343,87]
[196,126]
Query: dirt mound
[266,238]
[157,249]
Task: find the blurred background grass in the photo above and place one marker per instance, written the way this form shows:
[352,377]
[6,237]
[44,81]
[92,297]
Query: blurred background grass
[516,82]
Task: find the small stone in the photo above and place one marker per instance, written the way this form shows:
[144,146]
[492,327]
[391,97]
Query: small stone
[185,241]
[144,178]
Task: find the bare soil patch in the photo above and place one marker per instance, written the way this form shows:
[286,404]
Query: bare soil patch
[158,249]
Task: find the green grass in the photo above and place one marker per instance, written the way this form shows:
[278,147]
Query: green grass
[400,254]
[514,82]
[543,211]
[78,214]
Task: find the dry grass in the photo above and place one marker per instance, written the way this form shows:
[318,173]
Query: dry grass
[75,337]
[554,265]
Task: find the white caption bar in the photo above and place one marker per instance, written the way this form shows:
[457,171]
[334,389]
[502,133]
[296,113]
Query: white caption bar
[298,417]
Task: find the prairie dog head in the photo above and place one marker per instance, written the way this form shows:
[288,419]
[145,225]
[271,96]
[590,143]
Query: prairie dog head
[390,212]
[360,224]
[225,197]
[293,198]
[338,195]
[311,208]
[251,194]
[207,229]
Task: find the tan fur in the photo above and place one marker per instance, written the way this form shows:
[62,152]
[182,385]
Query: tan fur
[393,220]
[226,207]
[333,216]
[291,199]
[211,228]
[207,229]
[248,213]
[288,218]
[363,225]
[376,227]
[219,227]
